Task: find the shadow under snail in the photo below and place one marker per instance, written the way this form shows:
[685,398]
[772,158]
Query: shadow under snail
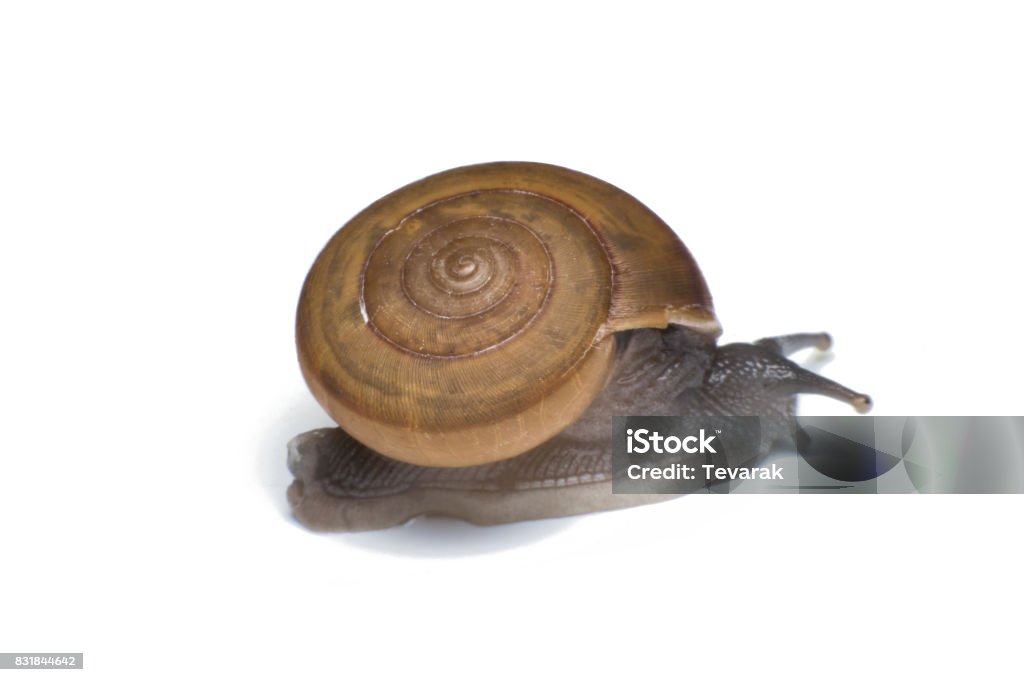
[474,332]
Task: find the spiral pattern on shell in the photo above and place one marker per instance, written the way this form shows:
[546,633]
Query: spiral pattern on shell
[467,274]
[467,317]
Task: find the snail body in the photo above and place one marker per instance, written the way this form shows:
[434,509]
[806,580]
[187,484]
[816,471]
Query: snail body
[474,332]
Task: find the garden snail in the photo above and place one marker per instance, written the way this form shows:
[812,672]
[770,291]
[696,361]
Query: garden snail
[474,332]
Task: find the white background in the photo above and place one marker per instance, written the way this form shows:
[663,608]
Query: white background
[168,174]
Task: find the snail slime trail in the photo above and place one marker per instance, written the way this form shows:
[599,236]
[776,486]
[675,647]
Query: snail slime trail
[473,334]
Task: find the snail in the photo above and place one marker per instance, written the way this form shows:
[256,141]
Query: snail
[474,332]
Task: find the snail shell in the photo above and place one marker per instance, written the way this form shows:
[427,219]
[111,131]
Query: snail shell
[470,316]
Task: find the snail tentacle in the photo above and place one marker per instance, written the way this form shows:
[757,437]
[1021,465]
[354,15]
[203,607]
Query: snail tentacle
[792,343]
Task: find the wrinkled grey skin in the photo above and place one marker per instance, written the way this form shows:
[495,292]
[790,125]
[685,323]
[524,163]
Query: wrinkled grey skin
[341,485]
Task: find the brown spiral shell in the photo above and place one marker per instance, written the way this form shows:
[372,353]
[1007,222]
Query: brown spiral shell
[469,316]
